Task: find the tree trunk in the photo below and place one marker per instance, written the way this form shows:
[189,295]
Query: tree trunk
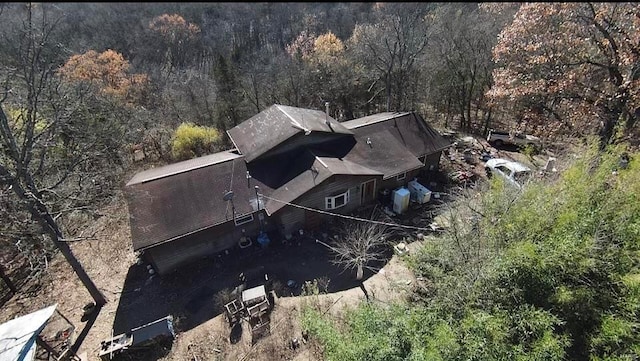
[487,122]
[40,213]
[387,83]
[608,127]
[7,280]
[51,228]
[447,112]
[463,120]
[95,293]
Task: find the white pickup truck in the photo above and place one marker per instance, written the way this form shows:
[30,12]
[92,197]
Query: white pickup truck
[499,139]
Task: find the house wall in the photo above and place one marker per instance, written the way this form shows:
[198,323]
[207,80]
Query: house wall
[393,182]
[426,175]
[431,167]
[166,257]
[432,162]
[292,218]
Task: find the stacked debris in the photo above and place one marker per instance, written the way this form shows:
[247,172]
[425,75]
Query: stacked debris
[159,333]
[464,161]
[254,307]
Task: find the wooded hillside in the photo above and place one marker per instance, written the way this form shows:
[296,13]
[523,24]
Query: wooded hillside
[90,93]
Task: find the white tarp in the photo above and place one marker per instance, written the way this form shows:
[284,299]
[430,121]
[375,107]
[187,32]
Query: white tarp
[18,336]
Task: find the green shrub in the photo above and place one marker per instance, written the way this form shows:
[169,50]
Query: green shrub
[549,273]
[190,141]
[530,150]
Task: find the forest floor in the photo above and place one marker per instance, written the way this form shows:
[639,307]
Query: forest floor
[193,295]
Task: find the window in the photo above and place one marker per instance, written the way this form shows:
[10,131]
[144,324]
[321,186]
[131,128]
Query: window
[244,219]
[506,171]
[337,201]
[401,176]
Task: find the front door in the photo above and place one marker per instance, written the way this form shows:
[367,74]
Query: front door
[367,191]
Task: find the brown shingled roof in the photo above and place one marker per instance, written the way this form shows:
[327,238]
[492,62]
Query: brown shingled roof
[383,152]
[181,167]
[173,204]
[409,129]
[274,125]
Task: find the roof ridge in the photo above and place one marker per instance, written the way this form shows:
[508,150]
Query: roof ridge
[279,106]
[139,177]
[384,116]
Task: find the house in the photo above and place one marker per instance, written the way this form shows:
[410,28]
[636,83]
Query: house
[284,157]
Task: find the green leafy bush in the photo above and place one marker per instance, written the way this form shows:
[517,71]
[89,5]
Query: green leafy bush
[190,141]
[530,150]
[548,273]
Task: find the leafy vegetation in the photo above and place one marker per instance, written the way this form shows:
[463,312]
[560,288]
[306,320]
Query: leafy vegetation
[570,67]
[551,273]
[191,140]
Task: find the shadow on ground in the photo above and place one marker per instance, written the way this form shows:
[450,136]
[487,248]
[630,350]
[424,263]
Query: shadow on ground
[508,147]
[195,294]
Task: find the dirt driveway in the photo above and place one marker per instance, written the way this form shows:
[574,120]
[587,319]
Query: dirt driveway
[210,339]
[190,293]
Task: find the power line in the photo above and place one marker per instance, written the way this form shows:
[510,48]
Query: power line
[233,167]
[349,217]
[226,211]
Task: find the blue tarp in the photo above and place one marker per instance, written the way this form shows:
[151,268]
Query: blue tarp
[263,239]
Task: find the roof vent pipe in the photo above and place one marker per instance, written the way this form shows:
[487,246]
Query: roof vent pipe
[326,106]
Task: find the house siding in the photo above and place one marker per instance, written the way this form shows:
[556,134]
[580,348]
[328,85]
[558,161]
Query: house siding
[431,166]
[393,182]
[432,162]
[167,256]
[293,218]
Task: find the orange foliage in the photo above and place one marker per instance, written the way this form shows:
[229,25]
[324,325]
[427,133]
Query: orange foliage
[328,45]
[325,49]
[173,27]
[108,70]
[177,36]
[570,66]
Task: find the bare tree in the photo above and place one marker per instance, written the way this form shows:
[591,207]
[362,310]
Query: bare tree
[49,151]
[392,46]
[359,245]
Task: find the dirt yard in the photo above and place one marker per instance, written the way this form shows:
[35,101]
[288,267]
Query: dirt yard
[193,295]
[190,295]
